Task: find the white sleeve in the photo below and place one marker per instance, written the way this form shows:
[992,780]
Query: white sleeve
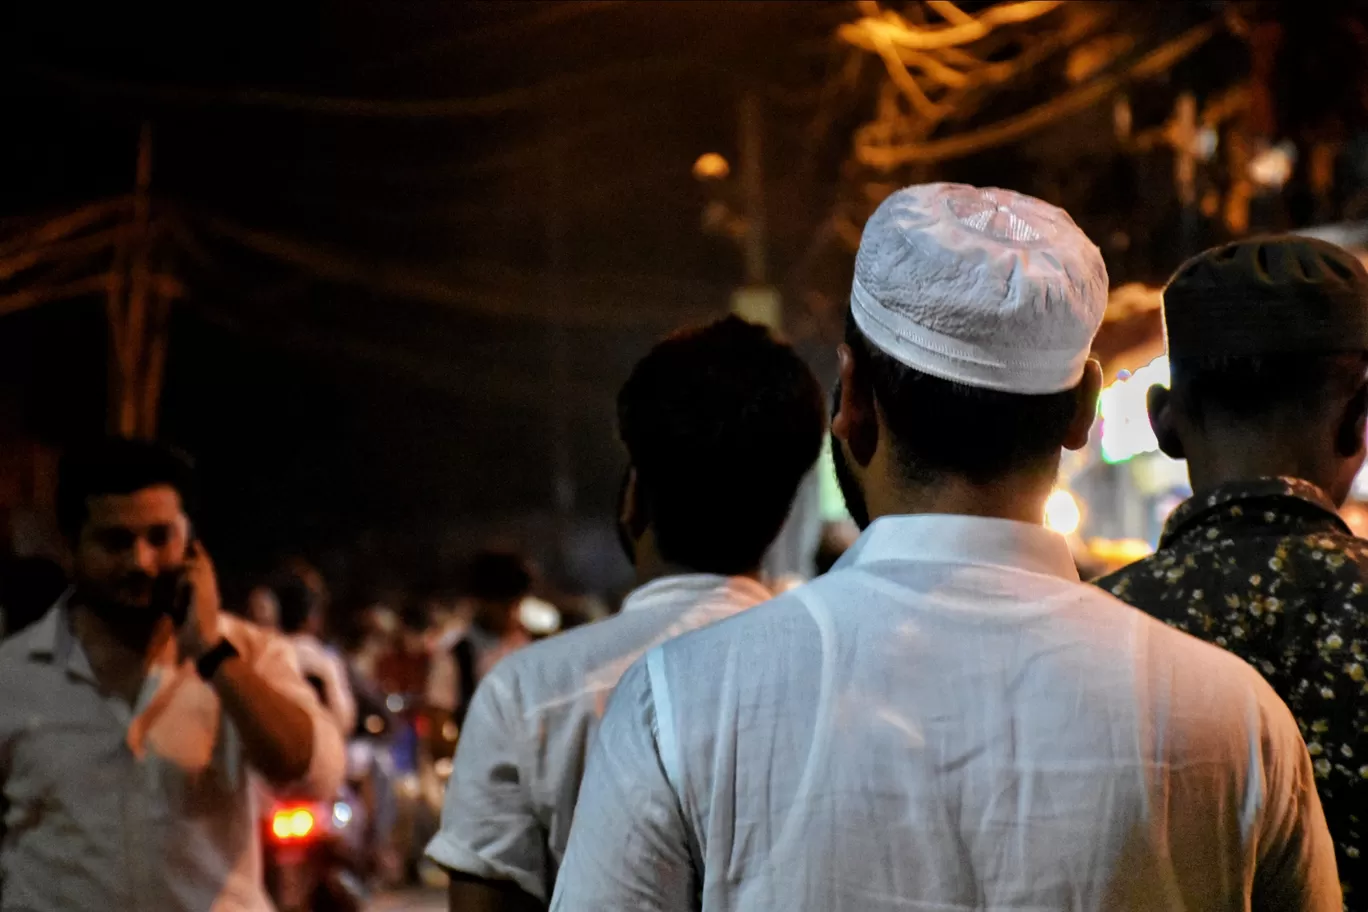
[441,679]
[489,826]
[628,845]
[1295,868]
[277,664]
[340,697]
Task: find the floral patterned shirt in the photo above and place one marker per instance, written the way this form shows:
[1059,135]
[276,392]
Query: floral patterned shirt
[1268,570]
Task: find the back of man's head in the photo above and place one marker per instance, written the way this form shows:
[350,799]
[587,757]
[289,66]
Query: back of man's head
[299,603]
[721,424]
[1259,391]
[941,428]
[1265,325]
[1267,340]
[119,466]
[971,320]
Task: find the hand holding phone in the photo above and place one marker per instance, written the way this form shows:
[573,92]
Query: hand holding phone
[174,593]
[195,608]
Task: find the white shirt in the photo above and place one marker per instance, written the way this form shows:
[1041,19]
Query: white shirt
[948,721]
[442,682]
[318,661]
[517,770]
[129,811]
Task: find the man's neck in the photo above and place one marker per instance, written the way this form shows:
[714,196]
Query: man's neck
[120,663]
[1019,498]
[651,565]
[1223,460]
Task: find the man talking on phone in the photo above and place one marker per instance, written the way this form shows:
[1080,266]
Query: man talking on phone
[132,713]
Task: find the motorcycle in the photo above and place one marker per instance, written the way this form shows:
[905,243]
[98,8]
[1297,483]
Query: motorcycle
[312,851]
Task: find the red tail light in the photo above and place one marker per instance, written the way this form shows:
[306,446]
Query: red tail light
[292,824]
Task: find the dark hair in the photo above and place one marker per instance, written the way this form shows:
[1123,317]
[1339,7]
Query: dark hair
[298,601]
[499,576]
[119,466]
[721,423]
[941,428]
[1246,387]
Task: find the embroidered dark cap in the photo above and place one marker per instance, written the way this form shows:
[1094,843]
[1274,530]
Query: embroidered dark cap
[1279,294]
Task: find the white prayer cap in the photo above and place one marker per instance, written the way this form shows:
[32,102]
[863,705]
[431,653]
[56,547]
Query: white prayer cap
[985,287]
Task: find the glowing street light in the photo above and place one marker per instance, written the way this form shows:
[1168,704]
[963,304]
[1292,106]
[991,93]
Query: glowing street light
[711,167]
[1062,513]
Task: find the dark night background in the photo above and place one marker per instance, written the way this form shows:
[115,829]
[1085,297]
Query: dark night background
[361,360]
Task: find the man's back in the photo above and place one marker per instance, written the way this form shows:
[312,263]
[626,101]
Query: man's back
[948,721]
[1268,571]
[517,769]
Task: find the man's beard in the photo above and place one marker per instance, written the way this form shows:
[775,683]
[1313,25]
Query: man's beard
[132,610]
[850,486]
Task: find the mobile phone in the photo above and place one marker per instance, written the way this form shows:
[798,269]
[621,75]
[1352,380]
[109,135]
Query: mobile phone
[175,592]
[184,598]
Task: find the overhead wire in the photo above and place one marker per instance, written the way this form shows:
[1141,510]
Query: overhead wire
[903,34]
[403,280]
[1013,128]
[394,109]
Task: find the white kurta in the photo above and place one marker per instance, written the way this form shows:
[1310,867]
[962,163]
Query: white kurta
[517,771]
[948,721]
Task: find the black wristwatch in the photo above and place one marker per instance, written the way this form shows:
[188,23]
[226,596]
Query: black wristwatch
[208,664]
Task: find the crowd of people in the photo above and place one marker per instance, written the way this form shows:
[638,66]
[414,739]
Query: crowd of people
[947,717]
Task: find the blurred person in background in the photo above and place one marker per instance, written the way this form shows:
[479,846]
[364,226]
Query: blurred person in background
[132,714]
[497,583]
[390,652]
[377,628]
[371,768]
[448,623]
[263,608]
[950,719]
[302,621]
[1268,350]
[720,425]
[28,588]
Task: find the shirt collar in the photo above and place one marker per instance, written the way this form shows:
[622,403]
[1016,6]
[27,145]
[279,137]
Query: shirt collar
[1232,502]
[939,538]
[683,585]
[52,640]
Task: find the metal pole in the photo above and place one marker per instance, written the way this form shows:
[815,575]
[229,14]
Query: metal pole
[126,302]
[753,188]
[131,421]
[792,551]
